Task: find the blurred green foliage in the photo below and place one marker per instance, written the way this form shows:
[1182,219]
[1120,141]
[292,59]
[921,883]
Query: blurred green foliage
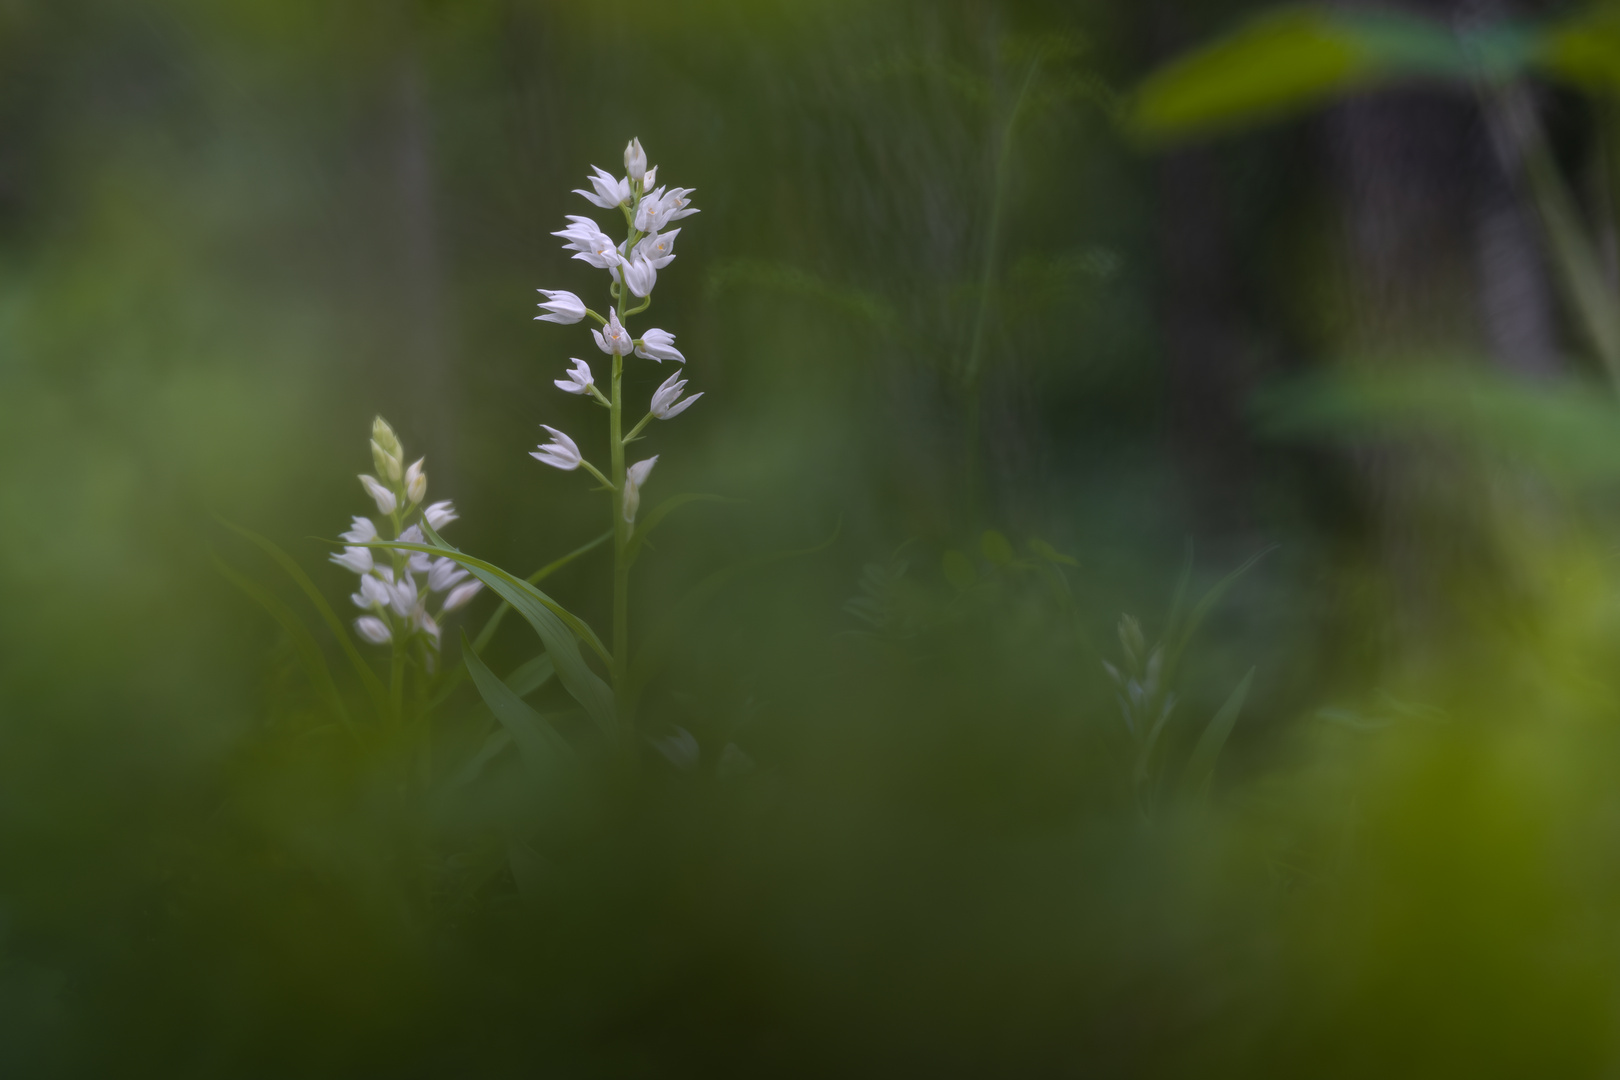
[889,817]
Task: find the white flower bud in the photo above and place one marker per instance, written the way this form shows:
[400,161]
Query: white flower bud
[651,179]
[440,514]
[424,622]
[635,160]
[356,560]
[416,482]
[443,574]
[460,595]
[404,595]
[641,276]
[562,307]
[387,464]
[374,593]
[560,453]
[610,193]
[383,497]
[579,380]
[373,630]
[659,345]
[665,398]
[384,435]
[363,532]
[634,477]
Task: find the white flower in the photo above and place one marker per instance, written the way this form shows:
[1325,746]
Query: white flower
[610,193]
[659,345]
[613,338]
[364,532]
[677,205]
[651,179]
[444,574]
[384,572]
[601,252]
[634,477]
[641,276]
[460,595]
[384,497]
[373,629]
[579,379]
[635,160]
[404,595]
[356,560]
[658,249]
[413,535]
[665,397]
[652,213]
[560,307]
[560,453]
[373,593]
[424,622]
[579,234]
[418,560]
[416,482]
[440,514]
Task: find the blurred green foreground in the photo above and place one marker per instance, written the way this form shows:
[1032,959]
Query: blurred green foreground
[983,375]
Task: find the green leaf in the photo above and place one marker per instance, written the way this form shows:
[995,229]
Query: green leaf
[532,675]
[654,517]
[996,548]
[560,630]
[309,651]
[959,571]
[488,632]
[1299,57]
[1205,606]
[1201,767]
[493,747]
[340,630]
[546,753]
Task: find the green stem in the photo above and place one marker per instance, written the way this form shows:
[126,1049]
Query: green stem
[630,438]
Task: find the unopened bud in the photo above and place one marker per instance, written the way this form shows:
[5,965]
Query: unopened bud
[416,482]
[387,464]
[384,435]
[635,160]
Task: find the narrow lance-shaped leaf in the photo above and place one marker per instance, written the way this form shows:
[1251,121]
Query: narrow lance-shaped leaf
[544,751]
[559,629]
[1201,767]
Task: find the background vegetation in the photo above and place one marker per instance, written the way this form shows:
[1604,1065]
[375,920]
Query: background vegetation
[953,309]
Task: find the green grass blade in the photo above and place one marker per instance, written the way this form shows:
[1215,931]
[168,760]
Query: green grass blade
[1178,602]
[532,675]
[1200,771]
[546,753]
[340,630]
[488,632]
[1205,606]
[309,651]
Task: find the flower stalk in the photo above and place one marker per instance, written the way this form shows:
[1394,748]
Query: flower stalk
[632,267]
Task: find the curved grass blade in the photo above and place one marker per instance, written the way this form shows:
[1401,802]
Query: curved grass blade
[655,654]
[1206,605]
[1200,771]
[654,517]
[532,675]
[309,651]
[546,753]
[488,632]
[559,629]
[340,630]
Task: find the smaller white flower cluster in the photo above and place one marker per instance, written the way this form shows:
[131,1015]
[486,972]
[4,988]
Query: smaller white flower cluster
[395,595]
[633,264]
